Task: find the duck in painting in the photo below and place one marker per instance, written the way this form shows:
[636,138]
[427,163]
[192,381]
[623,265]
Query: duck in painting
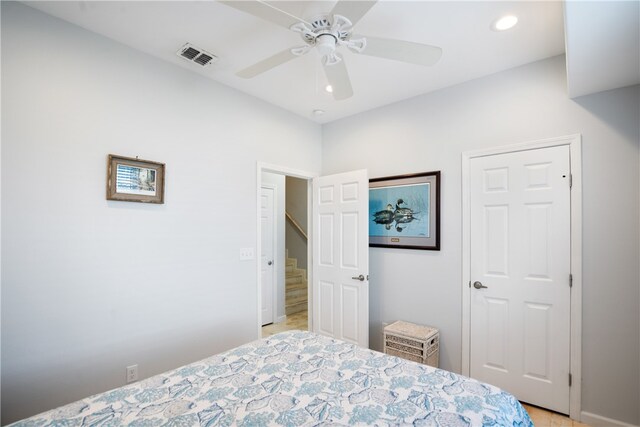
[403,215]
[385,217]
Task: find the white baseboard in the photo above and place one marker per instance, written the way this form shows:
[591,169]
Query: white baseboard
[599,421]
[281,319]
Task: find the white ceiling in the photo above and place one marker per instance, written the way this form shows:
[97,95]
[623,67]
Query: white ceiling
[462,29]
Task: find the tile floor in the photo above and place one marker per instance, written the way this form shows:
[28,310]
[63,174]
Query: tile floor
[294,321]
[540,417]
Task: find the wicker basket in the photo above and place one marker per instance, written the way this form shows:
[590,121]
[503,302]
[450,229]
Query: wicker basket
[412,342]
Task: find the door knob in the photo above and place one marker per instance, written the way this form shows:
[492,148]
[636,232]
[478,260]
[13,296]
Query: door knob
[270,262]
[360,278]
[479,285]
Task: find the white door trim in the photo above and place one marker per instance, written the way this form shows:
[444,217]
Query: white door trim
[281,170]
[574,142]
[274,246]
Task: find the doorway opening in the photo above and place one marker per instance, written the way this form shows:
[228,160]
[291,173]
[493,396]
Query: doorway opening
[284,249]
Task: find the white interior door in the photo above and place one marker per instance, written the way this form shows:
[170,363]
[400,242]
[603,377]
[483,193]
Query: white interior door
[268,244]
[341,256]
[520,274]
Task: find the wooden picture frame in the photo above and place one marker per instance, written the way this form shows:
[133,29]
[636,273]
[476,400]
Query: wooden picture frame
[135,180]
[404,211]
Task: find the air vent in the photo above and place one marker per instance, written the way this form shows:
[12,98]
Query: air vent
[203,59]
[190,53]
[193,54]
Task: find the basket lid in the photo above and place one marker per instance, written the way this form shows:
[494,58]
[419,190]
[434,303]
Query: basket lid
[410,330]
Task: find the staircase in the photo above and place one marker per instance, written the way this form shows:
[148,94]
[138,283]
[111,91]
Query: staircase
[296,287]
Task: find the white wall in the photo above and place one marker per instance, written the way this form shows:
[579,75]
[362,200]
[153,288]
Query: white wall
[278,182]
[91,286]
[528,103]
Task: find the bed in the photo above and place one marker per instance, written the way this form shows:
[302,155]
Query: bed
[296,378]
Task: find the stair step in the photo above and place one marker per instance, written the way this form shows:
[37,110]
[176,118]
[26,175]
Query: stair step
[297,272]
[294,279]
[302,284]
[296,293]
[296,290]
[296,308]
[299,285]
[296,300]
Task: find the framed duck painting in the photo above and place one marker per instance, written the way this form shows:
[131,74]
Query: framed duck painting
[404,211]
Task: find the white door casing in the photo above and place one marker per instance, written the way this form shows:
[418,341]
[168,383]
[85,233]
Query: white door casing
[340,256]
[287,171]
[267,252]
[520,249]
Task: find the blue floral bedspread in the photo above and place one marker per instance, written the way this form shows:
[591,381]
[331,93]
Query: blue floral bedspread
[296,378]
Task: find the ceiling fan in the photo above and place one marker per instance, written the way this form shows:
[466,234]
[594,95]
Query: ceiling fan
[328,32]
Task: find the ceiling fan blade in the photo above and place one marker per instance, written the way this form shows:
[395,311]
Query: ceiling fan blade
[267,64]
[400,50]
[353,9]
[338,78]
[266,11]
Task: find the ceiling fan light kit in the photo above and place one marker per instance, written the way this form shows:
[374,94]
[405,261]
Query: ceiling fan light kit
[326,44]
[326,33]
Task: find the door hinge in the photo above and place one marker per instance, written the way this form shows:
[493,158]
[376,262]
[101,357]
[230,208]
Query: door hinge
[570,380]
[570,280]
[469,283]
[570,180]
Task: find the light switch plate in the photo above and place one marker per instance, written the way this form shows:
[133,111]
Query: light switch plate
[246,254]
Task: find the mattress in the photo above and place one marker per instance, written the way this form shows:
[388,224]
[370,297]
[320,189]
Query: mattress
[296,378]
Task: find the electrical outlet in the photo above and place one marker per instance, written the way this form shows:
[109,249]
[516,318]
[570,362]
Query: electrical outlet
[132,373]
[246,254]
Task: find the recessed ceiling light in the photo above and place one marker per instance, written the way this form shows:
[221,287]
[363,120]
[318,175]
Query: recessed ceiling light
[504,23]
[328,88]
[318,112]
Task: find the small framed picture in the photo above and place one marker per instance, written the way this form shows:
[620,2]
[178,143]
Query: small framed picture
[404,211]
[134,180]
